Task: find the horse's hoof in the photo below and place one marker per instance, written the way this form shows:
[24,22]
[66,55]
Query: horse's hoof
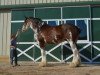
[43,64]
[73,65]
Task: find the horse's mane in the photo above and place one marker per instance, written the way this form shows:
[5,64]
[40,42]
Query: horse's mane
[37,19]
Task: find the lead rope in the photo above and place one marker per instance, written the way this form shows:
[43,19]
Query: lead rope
[18,37]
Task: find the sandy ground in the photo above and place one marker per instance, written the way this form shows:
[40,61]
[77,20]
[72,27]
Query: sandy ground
[30,68]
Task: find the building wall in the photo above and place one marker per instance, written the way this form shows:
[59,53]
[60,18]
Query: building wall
[15,2]
[88,22]
[5,25]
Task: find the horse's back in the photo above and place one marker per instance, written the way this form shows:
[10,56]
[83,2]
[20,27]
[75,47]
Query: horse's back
[71,27]
[63,28]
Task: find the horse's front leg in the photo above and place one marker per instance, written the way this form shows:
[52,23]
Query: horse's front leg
[43,60]
[76,58]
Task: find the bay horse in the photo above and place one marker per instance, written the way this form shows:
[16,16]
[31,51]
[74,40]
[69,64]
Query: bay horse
[46,34]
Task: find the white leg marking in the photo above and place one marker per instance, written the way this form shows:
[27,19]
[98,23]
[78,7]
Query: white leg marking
[76,58]
[43,61]
[75,51]
[74,48]
[43,54]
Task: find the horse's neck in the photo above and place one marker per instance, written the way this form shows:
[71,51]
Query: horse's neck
[37,30]
[34,30]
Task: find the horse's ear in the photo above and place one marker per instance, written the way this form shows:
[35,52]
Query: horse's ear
[25,17]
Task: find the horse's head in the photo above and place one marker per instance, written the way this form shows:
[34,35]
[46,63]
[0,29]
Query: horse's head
[33,23]
[27,23]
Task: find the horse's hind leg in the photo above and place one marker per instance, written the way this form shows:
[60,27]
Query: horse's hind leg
[76,58]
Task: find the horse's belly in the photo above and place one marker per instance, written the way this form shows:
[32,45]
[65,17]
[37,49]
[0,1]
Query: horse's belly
[54,39]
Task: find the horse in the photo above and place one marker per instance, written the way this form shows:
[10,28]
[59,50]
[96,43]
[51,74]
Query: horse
[46,34]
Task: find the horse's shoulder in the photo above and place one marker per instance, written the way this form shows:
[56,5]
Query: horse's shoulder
[44,27]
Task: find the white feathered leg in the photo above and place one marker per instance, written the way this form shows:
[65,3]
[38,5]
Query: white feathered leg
[43,61]
[76,58]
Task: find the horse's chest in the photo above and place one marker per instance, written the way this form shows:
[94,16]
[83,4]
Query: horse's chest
[35,36]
